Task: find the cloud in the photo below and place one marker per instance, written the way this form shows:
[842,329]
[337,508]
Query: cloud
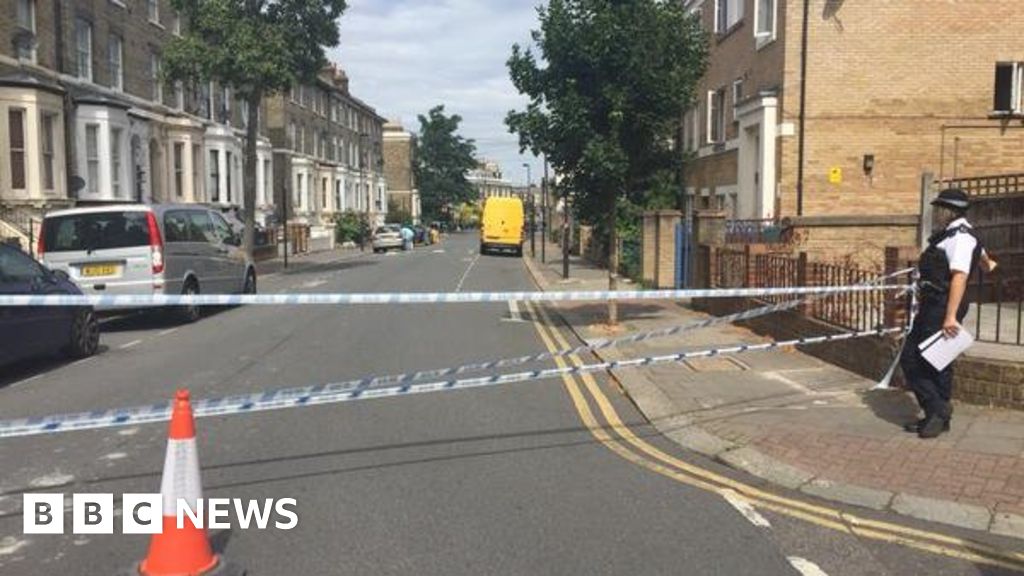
[405,56]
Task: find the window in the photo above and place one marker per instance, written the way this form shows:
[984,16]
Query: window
[266,183]
[202,227]
[17,267]
[114,60]
[154,10]
[179,169]
[26,18]
[225,112]
[155,77]
[245,114]
[291,136]
[16,126]
[115,162]
[197,158]
[92,157]
[177,227]
[214,187]
[728,13]
[765,17]
[228,167]
[176,23]
[323,194]
[83,49]
[1008,88]
[716,116]
[737,97]
[203,100]
[179,95]
[49,120]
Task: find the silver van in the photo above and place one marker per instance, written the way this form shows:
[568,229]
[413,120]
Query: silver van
[147,249]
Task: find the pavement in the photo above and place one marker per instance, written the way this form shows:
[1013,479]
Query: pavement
[804,424]
[555,476]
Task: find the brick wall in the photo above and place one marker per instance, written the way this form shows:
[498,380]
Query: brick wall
[398,164]
[712,171]
[856,241]
[990,382]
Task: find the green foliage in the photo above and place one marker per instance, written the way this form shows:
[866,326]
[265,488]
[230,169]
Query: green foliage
[442,160]
[351,226]
[397,214]
[256,47]
[606,103]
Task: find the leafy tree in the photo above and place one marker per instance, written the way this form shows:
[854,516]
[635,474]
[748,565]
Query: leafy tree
[257,48]
[606,103]
[397,214]
[442,160]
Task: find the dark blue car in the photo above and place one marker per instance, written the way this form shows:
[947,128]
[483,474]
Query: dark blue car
[26,332]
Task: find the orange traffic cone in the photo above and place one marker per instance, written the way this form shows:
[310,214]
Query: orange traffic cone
[181,551]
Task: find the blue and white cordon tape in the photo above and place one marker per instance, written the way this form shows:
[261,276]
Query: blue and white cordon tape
[332,393]
[151,300]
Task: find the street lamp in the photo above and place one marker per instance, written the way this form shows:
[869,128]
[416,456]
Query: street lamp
[533,211]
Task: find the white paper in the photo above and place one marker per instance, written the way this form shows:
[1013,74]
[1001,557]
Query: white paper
[940,351]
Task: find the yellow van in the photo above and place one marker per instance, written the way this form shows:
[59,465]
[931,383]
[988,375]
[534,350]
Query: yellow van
[501,227]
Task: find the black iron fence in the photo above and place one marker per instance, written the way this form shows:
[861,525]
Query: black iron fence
[752,232]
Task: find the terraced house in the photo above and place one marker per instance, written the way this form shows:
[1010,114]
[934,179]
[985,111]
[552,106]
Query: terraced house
[328,150]
[825,114]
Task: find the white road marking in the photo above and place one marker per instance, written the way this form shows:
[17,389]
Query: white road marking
[458,287]
[441,251]
[313,283]
[513,312]
[51,480]
[788,382]
[128,432]
[805,567]
[166,332]
[115,456]
[10,545]
[746,509]
[129,345]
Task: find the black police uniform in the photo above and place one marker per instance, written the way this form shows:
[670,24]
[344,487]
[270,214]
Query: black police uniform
[933,388]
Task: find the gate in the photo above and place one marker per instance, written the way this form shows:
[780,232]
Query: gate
[684,253]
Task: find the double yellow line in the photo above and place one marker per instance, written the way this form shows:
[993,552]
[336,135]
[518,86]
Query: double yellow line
[620,439]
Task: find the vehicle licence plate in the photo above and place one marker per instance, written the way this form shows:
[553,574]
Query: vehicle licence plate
[99,270]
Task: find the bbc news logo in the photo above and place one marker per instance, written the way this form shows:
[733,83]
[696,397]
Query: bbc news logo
[145,514]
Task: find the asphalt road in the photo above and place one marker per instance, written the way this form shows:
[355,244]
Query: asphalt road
[504,480]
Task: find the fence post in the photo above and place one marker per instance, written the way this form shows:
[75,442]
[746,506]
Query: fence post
[802,279]
[897,258]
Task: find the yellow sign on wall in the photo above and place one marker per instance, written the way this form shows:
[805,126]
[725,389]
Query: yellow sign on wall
[835,175]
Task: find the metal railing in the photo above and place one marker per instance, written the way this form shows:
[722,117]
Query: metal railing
[766,231]
[996,302]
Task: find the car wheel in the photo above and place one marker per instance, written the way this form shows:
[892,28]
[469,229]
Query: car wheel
[85,335]
[250,283]
[192,312]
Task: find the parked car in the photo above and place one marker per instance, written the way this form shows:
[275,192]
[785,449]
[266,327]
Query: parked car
[387,237]
[148,249]
[29,331]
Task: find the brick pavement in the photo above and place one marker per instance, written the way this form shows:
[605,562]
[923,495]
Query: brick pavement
[802,412]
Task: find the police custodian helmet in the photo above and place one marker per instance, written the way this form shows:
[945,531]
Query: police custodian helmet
[953,198]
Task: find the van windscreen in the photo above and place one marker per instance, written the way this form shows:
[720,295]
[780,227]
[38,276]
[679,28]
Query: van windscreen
[95,231]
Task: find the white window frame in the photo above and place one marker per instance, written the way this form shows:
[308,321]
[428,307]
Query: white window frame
[733,15]
[83,57]
[116,161]
[179,95]
[1016,89]
[737,96]
[710,108]
[197,158]
[48,149]
[765,37]
[176,23]
[155,66]
[92,158]
[153,11]
[30,25]
[178,161]
[116,67]
[23,150]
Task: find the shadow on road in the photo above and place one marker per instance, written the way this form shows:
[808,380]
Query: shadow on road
[152,320]
[894,406]
[13,373]
[357,262]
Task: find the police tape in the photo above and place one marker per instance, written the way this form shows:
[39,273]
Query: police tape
[155,300]
[331,394]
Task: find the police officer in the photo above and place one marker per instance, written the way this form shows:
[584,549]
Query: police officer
[944,268]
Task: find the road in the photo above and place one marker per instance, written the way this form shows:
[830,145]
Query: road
[508,480]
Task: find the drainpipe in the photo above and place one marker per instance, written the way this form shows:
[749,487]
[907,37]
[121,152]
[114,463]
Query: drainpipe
[803,112]
[69,104]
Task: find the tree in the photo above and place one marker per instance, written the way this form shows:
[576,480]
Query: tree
[442,160]
[606,105]
[257,48]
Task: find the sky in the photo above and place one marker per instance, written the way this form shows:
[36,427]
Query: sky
[403,57]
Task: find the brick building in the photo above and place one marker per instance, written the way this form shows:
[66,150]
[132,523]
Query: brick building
[81,96]
[328,150]
[892,90]
[399,158]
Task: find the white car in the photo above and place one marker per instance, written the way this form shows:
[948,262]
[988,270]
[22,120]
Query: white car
[387,237]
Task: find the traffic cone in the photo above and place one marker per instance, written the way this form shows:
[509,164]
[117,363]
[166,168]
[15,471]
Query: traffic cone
[181,551]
